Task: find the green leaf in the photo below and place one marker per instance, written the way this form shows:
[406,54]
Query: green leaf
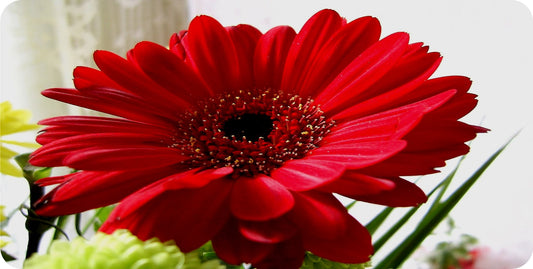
[435,215]
[376,222]
[101,216]
[7,257]
[399,224]
[30,172]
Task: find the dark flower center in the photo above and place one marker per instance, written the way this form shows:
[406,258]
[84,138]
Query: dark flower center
[248,126]
[251,131]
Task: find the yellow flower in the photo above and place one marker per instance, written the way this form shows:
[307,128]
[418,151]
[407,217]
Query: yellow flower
[11,122]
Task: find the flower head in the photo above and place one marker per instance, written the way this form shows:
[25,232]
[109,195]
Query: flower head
[242,137]
[118,250]
[13,121]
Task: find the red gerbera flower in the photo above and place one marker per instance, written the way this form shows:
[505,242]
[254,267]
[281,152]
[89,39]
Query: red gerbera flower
[242,138]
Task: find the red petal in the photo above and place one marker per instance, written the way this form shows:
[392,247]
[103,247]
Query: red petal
[434,134]
[245,39]
[406,75]
[270,56]
[271,231]
[87,190]
[212,52]
[259,198]
[89,77]
[363,72]
[437,85]
[341,49]
[288,254]
[197,179]
[190,217]
[233,248]
[318,215]
[47,181]
[316,31]
[130,77]
[404,193]
[53,154]
[306,174]
[69,126]
[408,164]
[393,97]
[133,158]
[170,72]
[352,183]
[352,246]
[176,46]
[388,125]
[74,97]
[91,124]
[358,155]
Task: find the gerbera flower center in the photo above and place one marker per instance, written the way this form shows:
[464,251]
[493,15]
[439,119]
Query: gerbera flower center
[249,126]
[251,131]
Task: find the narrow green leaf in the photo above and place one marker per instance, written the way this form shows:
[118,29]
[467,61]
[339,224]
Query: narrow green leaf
[7,257]
[30,172]
[60,225]
[350,205]
[77,223]
[399,224]
[99,217]
[433,218]
[374,224]
[395,228]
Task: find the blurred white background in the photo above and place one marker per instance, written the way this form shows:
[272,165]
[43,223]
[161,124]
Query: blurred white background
[489,41]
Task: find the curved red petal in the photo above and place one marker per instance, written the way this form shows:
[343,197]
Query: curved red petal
[170,72]
[318,215]
[412,164]
[54,153]
[259,198]
[78,125]
[128,158]
[130,77]
[89,77]
[212,53]
[175,45]
[190,217]
[354,245]
[306,45]
[127,101]
[388,125]
[404,193]
[344,46]
[74,97]
[270,56]
[352,183]
[232,247]
[306,174]
[388,97]
[196,179]
[271,231]
[86,190]
[358,155]
[245,38]
[288,254]
[363,72]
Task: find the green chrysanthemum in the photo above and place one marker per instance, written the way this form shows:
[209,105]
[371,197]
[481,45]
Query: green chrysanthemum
[118,250]
[314,262]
